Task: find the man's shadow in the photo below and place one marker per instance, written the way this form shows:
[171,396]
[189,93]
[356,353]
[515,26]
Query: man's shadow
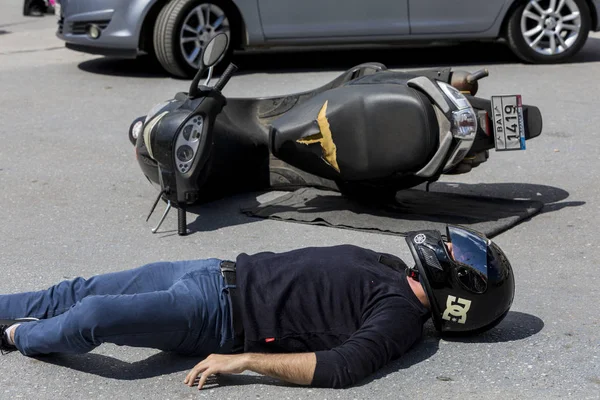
[516,326]
[161,363]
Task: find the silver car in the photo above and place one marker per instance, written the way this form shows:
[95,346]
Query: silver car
[174,31]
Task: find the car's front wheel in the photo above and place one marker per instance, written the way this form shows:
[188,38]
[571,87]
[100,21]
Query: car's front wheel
[183,28]
[548,31]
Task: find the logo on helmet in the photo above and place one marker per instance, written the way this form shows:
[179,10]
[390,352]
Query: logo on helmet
[420,238]
[456,309]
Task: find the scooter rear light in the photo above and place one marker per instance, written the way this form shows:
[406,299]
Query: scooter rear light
[464,124]
[484,122]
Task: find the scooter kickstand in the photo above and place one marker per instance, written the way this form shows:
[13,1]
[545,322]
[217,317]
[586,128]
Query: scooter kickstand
[163,217]
[154,205]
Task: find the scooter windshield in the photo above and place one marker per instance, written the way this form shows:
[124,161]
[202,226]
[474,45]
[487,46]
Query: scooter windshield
[469,248]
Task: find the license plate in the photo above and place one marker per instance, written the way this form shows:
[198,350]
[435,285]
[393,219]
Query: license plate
[509,126]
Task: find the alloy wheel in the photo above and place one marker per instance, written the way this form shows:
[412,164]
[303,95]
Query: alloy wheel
[199,26]
[551,27]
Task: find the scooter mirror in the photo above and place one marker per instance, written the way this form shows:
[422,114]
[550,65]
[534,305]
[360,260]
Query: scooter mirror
[213,53]
[215,50]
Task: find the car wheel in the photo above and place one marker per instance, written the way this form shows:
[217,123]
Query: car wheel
[548,31]
[182,29]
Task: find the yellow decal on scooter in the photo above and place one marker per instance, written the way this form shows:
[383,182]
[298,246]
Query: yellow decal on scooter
[324,138]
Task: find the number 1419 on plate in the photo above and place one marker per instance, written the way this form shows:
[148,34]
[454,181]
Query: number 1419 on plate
[509,126]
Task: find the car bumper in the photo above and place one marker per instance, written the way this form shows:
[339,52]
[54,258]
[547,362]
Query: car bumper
[119,26]
[104,51]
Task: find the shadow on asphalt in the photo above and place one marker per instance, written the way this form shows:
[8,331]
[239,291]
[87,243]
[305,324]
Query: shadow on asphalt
[215,215]
[551,196]
[109,367]
[516,326]
[141,67]
[227,212]
[395,57]
[157,365]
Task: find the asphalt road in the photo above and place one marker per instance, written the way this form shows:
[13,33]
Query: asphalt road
[73,203]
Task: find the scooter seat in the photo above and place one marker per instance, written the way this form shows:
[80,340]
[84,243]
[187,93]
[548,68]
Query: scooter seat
[358,132]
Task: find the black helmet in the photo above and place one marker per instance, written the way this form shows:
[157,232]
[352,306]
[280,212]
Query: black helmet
[472,290]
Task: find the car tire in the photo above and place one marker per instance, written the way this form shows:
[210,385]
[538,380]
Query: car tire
[534,28]
[174,44]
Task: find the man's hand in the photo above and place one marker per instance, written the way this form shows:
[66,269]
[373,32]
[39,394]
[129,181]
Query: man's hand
[216,364]
[295,368]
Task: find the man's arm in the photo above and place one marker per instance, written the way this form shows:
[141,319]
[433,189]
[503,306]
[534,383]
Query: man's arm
[297,368]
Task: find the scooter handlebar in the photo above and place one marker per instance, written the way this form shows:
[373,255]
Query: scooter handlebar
[226,77]
[475,76]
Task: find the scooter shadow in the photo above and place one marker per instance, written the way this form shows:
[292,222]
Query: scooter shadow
[551,196]
[221,213]
[225,212]
[228,211]
[339,59]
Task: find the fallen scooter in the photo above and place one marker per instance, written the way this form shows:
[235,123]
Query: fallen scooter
[368,133]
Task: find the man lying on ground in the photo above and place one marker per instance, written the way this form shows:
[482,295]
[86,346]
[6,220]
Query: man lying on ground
[320,316]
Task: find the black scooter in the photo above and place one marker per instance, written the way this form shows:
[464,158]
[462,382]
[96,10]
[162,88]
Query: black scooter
[368,133]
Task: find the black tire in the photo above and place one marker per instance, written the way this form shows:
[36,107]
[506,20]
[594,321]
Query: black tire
[168,26]
[518,44]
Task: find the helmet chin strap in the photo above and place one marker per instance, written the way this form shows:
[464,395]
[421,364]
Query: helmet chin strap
[413,273]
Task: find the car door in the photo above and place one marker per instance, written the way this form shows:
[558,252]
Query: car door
[453,16]
[293,19]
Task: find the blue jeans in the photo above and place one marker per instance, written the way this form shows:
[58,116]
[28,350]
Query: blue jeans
[178,306]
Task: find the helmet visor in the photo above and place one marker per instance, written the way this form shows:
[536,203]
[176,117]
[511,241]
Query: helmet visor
[469,248]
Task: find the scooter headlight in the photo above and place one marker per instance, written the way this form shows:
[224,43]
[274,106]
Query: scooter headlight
[137,128]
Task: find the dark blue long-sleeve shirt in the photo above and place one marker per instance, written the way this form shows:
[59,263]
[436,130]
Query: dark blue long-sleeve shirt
[341,302]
